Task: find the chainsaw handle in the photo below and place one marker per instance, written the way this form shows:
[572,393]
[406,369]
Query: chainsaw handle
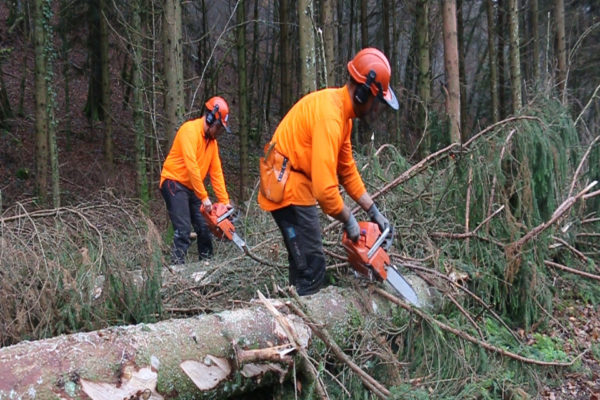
[378,242]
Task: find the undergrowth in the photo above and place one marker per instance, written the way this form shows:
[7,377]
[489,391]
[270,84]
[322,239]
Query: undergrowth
[102,264]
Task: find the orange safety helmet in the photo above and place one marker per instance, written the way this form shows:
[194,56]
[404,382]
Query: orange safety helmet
[217,110]
[371,59]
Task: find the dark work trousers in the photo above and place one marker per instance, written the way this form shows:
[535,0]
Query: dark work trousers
[301,232]
[184,211]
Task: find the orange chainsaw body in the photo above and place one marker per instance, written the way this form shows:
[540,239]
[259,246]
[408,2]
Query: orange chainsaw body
[219,226]
[358,252]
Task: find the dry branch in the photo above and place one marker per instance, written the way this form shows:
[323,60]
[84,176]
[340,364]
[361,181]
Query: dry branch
[513,250]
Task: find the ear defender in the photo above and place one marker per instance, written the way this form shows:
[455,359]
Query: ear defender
[362,93]
[210,117]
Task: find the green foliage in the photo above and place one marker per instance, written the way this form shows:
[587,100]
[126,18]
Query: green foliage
[548,348]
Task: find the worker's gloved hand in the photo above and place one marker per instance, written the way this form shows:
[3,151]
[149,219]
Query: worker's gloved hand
[383,223]
[207,205]
[352,229]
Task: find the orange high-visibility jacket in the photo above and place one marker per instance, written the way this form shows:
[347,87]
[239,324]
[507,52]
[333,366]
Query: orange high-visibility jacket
[191,157]
[315,137]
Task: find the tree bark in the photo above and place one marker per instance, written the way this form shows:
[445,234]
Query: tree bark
[462,75]
[364,24]
[451,66]
[243,100]
[41,104]
[106,88]
[328,10]
[173,64]
[93,105]
[501,32]
[308,75]
[424,72]
[138,103]
[515,58]
[285,57]
[493,61]
[535,41]
[202,356]
[561,48]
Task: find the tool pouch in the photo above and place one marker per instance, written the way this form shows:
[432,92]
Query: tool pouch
[274,173]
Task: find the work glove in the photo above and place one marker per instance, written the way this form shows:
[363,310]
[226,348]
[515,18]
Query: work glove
[383,223]
[207,205]
[352,229]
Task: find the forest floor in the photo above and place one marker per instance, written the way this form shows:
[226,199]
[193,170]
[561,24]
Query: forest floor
[583,384]
[83,174]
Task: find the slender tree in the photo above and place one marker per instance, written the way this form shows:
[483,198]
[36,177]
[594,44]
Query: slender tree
[41,102]
[460,30]
[451,67]
[173,64]
[138,102]
[106,84]
[515,60]
[535,40]
[5,108]
[385,25]
[424,70]
[328,11]
[308,74]
[492,61]
[93,105]
[561,48]
[243,99]
[285,57]
[501,36]
[364,23]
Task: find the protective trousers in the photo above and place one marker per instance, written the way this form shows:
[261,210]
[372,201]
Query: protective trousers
[301,232]
[184,211]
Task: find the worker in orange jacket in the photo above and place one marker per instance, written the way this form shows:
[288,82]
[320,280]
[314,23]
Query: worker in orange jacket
[194,154]
[314,139]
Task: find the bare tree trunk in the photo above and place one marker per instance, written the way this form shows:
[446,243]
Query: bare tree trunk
[515,58]
[493,61]
[138,103]
[41,103]
[364,24]
[308,75]
[561,48]
[199,356]
[451,66]
[464,131]
[385,25]
[173,65]
[106,82]
[535,41]
[328,10]
[424,72]
[501,32]
[93,105]
[243,99]
[5,109]
[285,58]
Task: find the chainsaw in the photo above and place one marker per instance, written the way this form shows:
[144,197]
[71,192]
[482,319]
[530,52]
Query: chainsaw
[370,260]
[219,223]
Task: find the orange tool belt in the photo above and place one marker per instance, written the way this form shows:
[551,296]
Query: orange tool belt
[274,173]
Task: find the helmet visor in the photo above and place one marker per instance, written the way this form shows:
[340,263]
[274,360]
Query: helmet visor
[390,99]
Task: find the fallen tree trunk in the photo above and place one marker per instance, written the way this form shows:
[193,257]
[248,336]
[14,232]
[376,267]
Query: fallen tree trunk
[186,358]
